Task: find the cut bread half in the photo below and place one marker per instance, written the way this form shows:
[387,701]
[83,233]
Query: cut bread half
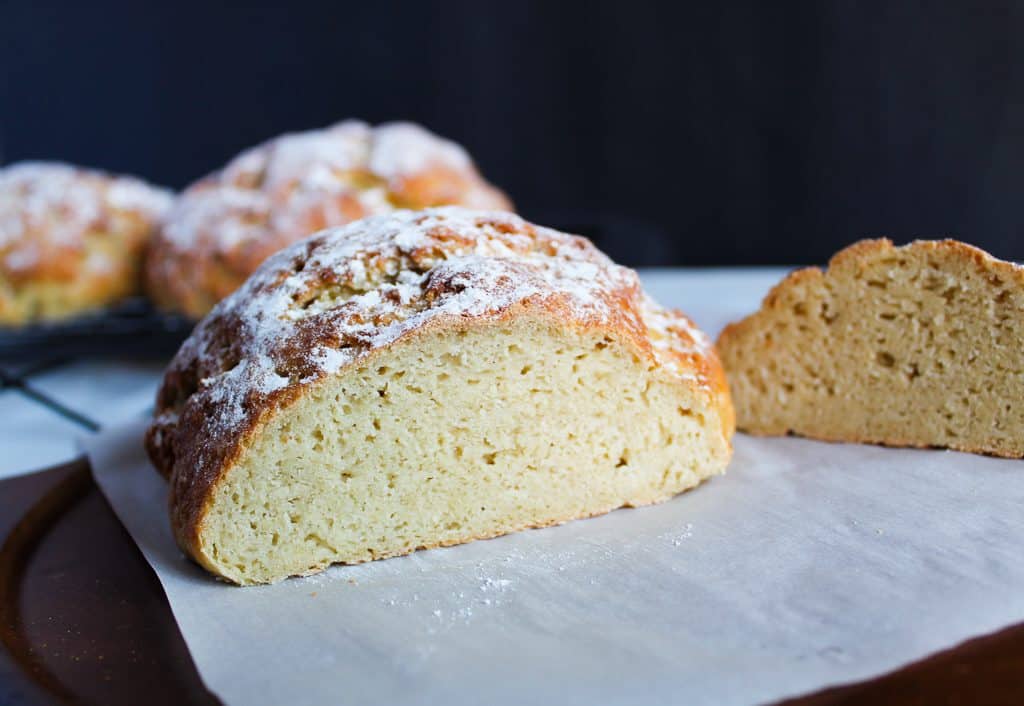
[904,346]
[425,379]
[457,434]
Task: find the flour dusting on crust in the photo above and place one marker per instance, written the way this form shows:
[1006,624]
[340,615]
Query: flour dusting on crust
[297,184]
[323,177]
[49,210]
[325,303]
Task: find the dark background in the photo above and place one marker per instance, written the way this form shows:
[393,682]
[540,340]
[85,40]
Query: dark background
[733,133]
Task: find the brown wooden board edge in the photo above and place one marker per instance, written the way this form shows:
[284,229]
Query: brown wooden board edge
[983,670]
[43,500]
[32,682]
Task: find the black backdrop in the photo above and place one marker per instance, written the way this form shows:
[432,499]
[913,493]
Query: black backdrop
[733,133]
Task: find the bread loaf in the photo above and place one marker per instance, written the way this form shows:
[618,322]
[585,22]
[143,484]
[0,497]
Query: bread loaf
[906,346]
[71,239]
[272,195]
[422,379]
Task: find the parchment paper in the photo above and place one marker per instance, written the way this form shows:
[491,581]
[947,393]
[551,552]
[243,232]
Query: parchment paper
[807,565]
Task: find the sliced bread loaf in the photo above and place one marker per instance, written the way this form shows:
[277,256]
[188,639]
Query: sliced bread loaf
[422,379]
[917,345]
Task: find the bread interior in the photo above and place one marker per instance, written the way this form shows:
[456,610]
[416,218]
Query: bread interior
[452,435]
[914,346]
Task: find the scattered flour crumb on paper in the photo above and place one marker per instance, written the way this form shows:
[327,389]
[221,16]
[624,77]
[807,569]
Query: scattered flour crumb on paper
[679,538]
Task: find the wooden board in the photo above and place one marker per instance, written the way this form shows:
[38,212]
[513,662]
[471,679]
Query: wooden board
[83,618]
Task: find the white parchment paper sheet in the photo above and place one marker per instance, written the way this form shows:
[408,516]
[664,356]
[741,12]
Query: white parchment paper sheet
[807,565]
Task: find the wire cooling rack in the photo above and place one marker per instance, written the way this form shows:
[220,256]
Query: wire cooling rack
[18,382]
[130,330]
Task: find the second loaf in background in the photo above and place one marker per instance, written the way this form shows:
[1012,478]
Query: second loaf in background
[223,226]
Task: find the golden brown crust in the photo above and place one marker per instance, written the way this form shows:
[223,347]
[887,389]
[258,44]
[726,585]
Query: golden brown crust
[345,296]
[852,260]
[691,350]
[71,239]
[275,194]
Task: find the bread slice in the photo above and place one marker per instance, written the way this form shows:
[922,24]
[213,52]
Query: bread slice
[905,346]
[424,379]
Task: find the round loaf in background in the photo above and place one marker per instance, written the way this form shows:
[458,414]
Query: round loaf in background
[71,239]
[283,190]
